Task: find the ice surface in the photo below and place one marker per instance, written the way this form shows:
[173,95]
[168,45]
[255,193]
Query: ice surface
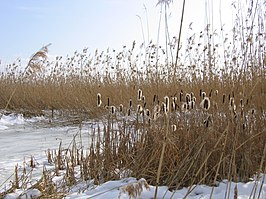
[22,138]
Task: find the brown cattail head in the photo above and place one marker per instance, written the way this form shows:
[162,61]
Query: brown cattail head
[241,103]
[192,104]
[139,109]
[121,108]
[180,96]
[174,127]
[191,95]
[232,106]
[113,110]
[139,95]
[155,99]
[205,103]
[184,107]
[99,99]
[167,104]
[173,106]
[147,111]
[174,99]
[130,103]
[188,98]
[108,102]
[223,98]
[210,94]
[203,95]
[128,112]
[157,108]
[143,98]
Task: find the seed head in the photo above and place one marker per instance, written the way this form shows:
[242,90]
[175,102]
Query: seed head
[167,104]
[99,100]
[113,110]
[205,103]
[203,94]
[184,107]
[139,95]
[121,108]
[130,103]
[232,106]
[173,127]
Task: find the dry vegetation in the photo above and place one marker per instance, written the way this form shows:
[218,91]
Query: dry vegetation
[198,122]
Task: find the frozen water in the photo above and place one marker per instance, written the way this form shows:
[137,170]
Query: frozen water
[22,138]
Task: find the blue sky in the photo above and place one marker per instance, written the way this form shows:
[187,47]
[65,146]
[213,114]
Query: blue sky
[27,25]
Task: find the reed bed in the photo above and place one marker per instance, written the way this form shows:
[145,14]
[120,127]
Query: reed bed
[200,121]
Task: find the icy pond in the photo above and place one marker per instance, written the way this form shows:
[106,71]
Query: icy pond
[22,138]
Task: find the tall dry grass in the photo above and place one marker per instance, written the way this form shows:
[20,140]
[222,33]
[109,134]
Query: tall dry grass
[212,129]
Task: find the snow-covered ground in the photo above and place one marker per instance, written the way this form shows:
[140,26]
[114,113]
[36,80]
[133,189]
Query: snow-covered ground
[22,138]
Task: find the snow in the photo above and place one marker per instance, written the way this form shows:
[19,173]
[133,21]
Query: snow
[21,138]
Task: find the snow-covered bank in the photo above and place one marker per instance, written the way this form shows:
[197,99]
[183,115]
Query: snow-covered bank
[133,188]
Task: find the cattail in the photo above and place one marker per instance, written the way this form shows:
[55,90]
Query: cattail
[253,111]
[232,106]
[99,100]
[223,98]
[174,99]
[167,104]
[208,121]
[184,107]
[205,103]
[121,108]
[173,106]
[191,95]
[241,103]
[216,92]
[130,103]
[128,112]
[156,108]
[155,97]
[180,96]
[139,109]
[188,98]
[174,103]
[139,95]
[203,95]
[144,105]
[163,107]
[143,98]
[147,111]
[210,94]
[174,127]
[192,104]
[113,110]
[108,102]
